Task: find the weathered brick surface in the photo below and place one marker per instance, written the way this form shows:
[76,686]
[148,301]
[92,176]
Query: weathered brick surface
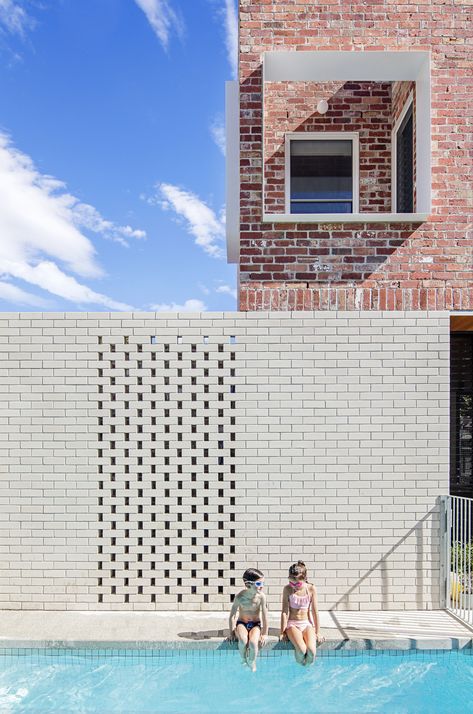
[285,266]
[148,459]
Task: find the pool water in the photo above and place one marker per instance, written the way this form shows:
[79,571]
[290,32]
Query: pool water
[207,681]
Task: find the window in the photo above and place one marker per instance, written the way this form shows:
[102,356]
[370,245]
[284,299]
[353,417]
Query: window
[322,172]
[403,164]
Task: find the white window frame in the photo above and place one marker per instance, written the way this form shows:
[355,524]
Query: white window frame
[409,103]
[352,136]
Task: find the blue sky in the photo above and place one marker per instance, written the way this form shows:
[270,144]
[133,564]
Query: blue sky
[111,154]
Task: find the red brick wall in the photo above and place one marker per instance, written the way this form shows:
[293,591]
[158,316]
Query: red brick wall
[369,266]
[363,107]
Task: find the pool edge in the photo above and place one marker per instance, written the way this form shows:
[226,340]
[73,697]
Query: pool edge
[402,644]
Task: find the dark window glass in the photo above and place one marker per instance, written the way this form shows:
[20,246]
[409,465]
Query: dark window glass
[461,414]
[405,165]
[322,176]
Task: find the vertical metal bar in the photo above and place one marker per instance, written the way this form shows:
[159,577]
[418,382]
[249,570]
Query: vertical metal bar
[462,559]
[452,559]
[470,554]
[455,555]
[443,550]
[448,552]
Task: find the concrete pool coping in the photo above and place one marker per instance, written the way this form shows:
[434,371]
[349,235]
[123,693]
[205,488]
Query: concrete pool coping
[171,630]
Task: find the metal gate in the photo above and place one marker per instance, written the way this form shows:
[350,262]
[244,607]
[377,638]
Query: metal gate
[457,556]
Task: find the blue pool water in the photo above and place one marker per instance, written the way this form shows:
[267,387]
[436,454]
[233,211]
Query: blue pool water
[130,681]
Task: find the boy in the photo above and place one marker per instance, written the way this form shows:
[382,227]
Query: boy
[248,621]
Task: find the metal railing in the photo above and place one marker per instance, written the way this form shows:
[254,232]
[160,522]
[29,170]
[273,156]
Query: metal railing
[457,556]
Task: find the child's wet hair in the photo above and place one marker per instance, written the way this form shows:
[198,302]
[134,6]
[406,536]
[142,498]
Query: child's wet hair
[298,570]
[252,575]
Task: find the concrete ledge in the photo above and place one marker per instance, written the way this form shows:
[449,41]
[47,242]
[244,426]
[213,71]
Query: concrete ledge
[41,628]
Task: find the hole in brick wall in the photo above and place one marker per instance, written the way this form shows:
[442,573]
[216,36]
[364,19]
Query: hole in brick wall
[233,339]
[205,340]
[204,461]
[153,340]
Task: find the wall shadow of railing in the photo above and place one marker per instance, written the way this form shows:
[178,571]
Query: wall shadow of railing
[343,603]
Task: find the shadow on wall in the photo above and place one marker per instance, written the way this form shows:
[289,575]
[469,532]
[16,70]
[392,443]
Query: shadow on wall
[362,107]
[430,523]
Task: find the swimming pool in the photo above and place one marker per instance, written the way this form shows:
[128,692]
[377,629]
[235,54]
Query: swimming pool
[213,681]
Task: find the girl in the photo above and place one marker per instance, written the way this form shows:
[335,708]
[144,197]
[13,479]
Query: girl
[248,621]
[299,604]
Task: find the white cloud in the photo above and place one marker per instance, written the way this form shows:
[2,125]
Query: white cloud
[231,35]
[201,221]
[13,18]
[11,293]
[39,226]
[162,18]
[86,216]
[46,275]
[191,305]
[217,130]
[226,289]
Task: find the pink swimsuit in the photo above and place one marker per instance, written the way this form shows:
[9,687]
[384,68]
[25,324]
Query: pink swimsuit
[299,602]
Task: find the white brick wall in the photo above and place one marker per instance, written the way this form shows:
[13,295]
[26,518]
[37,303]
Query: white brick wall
[332,435]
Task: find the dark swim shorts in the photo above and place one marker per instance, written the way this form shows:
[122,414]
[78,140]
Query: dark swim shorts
[249,625]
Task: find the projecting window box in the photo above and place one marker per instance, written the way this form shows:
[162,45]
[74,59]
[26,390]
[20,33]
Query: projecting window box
[322,171]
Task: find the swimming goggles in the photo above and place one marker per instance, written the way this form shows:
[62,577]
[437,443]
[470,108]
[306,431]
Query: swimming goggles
[256,583]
